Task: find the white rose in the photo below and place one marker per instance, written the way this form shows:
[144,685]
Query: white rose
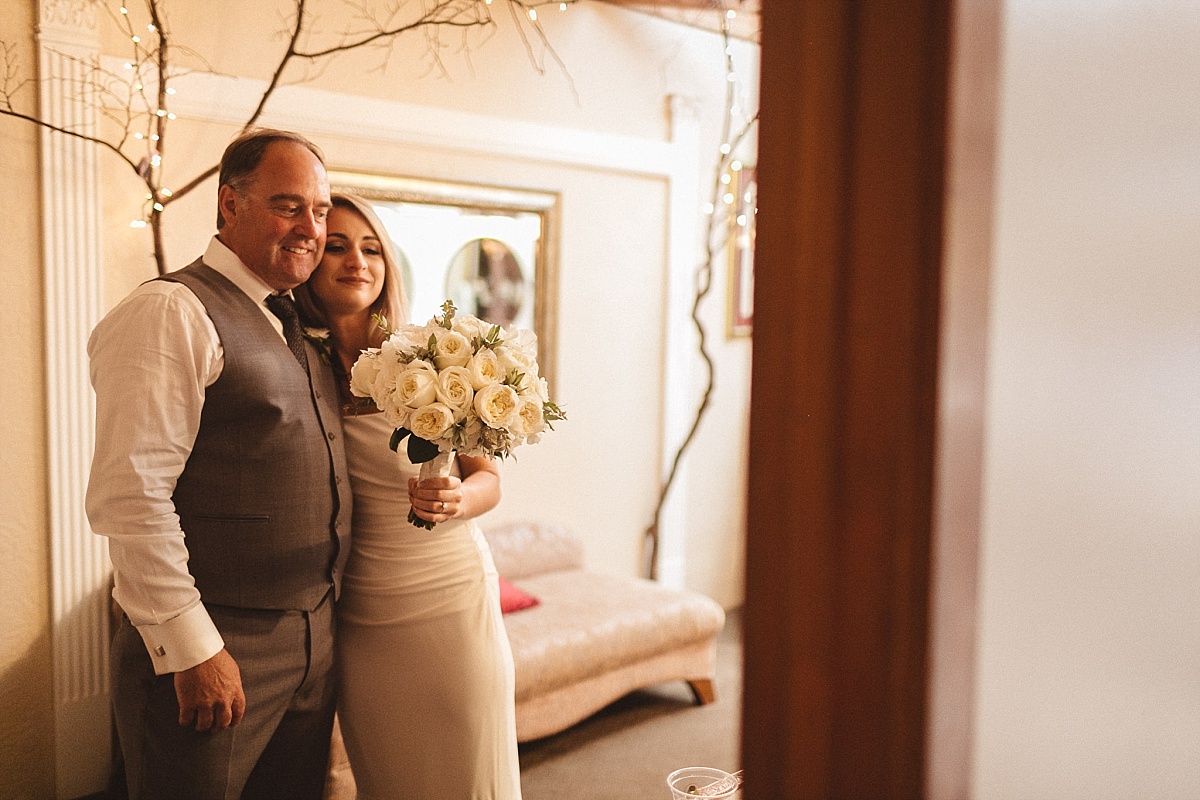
[535,389]
[412,337]
[416,386]
[452,350]
[364,374]
[465,438]
[454,389]
[394,411]
[496,405]
[316,334]
[392,362]
[403,341]
[484,369]
[470,327]
[521,339]
[529,421]
[431,422]
[521,359]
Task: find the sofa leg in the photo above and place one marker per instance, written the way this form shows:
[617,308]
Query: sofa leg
[704,690]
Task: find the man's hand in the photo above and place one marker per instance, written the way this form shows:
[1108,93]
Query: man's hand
[210,694]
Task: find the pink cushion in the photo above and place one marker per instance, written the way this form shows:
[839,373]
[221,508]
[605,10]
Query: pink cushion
[513,599]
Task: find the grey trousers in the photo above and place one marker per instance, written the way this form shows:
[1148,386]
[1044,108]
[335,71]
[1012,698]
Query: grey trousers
[280,749]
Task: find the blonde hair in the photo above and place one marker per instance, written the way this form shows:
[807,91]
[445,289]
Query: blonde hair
[392,304]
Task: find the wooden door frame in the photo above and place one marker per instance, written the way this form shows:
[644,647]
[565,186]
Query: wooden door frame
[875,161]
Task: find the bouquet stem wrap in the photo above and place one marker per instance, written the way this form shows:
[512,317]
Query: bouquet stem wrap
[437,467]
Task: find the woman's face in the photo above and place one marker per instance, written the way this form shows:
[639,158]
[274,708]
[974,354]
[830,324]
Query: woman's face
[350,276]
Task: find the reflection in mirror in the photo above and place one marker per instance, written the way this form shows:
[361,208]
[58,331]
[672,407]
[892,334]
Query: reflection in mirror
[486,281]
[488,249]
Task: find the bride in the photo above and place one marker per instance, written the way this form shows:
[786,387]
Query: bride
[426,674]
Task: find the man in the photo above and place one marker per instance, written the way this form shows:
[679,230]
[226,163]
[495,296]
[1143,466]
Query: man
[220,481]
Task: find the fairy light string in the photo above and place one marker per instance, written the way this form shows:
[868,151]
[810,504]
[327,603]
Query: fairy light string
[150,67]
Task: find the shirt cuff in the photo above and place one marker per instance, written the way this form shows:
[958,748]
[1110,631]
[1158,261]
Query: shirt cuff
[182,642]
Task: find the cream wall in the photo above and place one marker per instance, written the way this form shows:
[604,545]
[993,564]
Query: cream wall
[599,471]
[1089,662]
[26,716]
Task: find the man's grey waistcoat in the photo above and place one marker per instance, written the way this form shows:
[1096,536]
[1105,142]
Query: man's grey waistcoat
[264,500]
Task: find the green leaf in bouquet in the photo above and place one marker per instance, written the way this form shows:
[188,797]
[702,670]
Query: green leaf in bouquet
[420,523]
[497,442]
[491,341]
[551,413]
[397,437]
[382,323]
[425,353]
[447,314]
[458,435]
[514,379]
[421,450]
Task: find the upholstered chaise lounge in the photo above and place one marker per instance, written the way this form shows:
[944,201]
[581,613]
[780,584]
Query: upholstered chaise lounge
[593,638]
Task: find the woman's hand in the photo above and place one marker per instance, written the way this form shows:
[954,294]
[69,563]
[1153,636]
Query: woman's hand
[436,499]
[442,499]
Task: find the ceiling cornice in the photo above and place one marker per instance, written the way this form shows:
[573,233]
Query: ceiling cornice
[705,14]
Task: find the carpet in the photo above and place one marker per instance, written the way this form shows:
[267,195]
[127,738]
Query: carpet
[626,750]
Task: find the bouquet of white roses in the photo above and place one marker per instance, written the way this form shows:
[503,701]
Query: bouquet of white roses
[456,384]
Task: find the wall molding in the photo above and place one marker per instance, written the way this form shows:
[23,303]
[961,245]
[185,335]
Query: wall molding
[68,18]
[316,112]
[73,271]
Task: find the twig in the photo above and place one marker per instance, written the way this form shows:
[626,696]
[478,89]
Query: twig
[135,101]
[703,284]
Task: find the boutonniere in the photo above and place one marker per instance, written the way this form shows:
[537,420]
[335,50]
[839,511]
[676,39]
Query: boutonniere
[320,339]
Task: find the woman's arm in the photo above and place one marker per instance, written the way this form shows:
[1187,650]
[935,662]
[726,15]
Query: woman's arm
[442,499]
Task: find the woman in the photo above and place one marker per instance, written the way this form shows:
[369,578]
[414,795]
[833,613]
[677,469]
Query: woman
[426,692]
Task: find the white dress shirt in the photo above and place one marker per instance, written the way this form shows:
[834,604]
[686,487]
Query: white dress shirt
[152,357]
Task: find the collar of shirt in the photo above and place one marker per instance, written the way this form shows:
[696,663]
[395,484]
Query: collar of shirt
[224,261]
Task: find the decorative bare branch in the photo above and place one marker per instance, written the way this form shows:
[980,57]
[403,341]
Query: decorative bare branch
[138,107]
[546,50]
[715,239]
[11,82]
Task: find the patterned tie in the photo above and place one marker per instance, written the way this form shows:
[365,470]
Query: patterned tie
[282,306]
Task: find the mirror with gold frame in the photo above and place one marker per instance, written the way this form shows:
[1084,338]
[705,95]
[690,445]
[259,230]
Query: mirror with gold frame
[490,250]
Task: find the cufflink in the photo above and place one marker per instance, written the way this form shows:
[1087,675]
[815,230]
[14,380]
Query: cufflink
[160,651]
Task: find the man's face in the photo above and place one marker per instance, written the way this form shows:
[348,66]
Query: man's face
[276,226]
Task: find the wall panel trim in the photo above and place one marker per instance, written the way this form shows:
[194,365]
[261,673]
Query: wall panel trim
[73,270]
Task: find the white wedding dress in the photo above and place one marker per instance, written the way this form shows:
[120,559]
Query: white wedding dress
[426,674]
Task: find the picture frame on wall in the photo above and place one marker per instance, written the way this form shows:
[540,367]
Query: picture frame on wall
[743,187]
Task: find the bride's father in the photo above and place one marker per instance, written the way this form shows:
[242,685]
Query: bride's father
[220,482]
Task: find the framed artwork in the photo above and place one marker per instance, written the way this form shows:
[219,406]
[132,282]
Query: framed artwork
[743,187]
